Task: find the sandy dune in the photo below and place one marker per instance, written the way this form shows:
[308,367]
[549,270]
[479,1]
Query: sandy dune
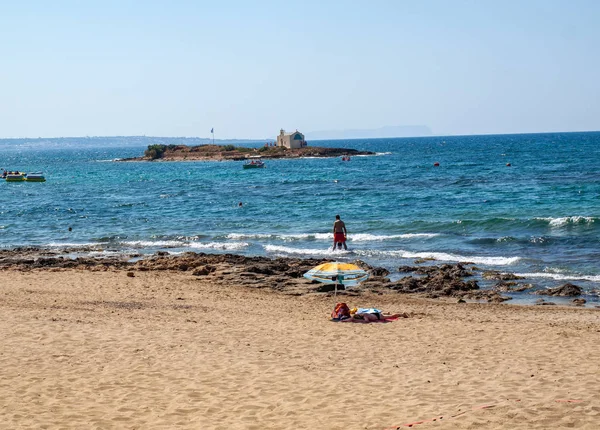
[165,350]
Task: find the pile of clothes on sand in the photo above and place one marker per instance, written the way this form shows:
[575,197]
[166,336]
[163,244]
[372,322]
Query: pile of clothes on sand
[343,313]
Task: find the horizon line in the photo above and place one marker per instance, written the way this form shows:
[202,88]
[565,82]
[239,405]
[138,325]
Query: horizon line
[270,139]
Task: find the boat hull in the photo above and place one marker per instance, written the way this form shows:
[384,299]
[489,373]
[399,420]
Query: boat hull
[15,178]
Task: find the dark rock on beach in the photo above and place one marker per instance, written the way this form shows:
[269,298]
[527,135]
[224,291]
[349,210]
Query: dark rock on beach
[452,270]
[373,271]
[445,280]
[423,260]
[499,276]
[509,287]
[379,271]
[204,270]
[566,290]
[542,302]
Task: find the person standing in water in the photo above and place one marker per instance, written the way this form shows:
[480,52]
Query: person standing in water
[339,233]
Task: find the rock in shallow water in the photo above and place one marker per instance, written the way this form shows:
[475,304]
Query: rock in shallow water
[566,290]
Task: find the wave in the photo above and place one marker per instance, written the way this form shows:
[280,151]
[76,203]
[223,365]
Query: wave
[360,237]
[440,256]
[156,243]
[560,276]
[365,237]
[531,240]
[569,220]
[284,237]
[304,251]
[227,246]
[233,246]
[500,224]
[72,245]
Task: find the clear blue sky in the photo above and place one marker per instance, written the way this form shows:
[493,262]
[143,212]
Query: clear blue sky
[248,68]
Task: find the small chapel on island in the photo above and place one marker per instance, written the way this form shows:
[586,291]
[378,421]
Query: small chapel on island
[291,140]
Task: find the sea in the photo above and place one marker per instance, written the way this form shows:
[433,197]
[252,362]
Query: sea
[527,204]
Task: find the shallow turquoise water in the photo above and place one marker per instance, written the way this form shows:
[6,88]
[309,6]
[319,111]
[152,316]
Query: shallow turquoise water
[538,217]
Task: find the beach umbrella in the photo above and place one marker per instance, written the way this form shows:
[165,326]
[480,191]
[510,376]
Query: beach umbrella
[335,272]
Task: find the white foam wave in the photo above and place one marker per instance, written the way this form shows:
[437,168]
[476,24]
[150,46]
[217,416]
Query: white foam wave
[365,237]
[560,277]
[227,246]
[562,221]
[71,245]
[383,153]
[442,256]
[161,243]
[302,251]
[360,237]
[238,236]
[285,237]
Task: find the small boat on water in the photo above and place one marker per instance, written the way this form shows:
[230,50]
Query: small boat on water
[22,176]
[14,176]
[35,177]
[254,164]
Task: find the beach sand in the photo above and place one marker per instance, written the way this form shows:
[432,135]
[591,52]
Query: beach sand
[84,349]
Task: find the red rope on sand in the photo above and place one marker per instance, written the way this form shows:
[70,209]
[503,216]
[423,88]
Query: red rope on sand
[464,412]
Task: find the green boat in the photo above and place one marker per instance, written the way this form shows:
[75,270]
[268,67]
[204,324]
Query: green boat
[254,164]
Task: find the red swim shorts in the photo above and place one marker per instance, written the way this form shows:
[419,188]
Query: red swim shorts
[339,237]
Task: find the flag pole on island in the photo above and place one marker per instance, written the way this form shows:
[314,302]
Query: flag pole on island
[212,130]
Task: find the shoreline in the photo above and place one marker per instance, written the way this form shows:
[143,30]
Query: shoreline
[162,348]
[456,282]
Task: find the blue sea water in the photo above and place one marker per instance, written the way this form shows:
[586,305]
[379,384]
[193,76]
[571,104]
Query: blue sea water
[538,217]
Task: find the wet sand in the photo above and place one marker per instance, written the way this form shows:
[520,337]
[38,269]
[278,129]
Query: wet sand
[165,349]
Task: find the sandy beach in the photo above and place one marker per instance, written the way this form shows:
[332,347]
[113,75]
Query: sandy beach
[165,349]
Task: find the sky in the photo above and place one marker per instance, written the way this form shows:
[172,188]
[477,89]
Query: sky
[249,68]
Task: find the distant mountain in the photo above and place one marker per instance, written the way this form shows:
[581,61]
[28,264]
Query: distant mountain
[388,131]
[119,141]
